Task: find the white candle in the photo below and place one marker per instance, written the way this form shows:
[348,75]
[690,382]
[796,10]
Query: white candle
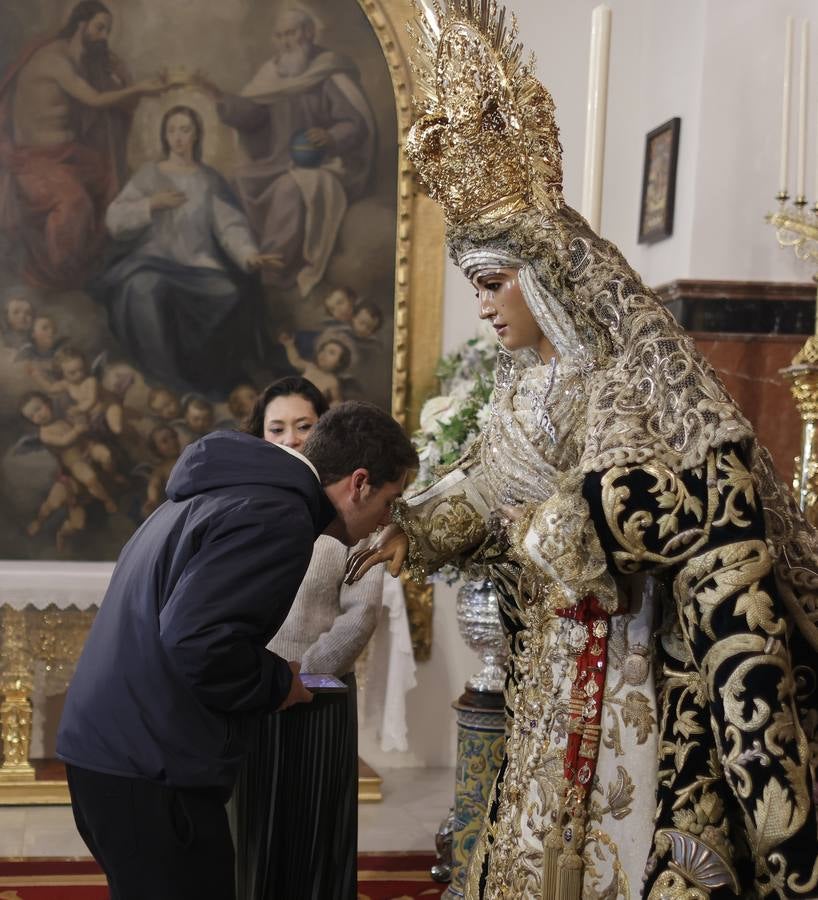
[596,115]
[816,200]
[785,111]
[801,168]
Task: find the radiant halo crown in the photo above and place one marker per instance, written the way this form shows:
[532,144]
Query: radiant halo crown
[485,142]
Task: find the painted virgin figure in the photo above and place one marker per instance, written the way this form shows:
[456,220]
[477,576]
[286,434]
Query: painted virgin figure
[181,296]
[659,585]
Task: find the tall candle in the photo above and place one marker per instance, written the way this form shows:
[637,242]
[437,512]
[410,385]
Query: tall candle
[816,196]
[785,110]
[596,115]
[801,167]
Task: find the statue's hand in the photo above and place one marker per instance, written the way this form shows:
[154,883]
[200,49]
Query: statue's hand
[391,546]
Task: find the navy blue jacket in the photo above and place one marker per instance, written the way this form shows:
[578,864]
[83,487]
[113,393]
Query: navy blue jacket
[176,658]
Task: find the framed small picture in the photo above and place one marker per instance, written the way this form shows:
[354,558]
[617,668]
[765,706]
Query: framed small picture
[659,182]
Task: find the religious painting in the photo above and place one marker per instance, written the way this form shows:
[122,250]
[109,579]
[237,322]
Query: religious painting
[659,182]
[195,198]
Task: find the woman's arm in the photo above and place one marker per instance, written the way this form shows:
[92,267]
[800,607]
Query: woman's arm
[336,650]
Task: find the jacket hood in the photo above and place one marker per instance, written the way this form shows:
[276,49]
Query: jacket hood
[230,459]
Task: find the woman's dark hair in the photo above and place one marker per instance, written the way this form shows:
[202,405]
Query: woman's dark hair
[292,385]
[359,435]
[83,12]
[197,125]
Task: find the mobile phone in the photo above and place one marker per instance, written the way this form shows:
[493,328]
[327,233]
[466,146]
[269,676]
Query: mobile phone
[323,684]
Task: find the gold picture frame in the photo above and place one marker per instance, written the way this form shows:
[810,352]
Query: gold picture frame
[419,267]
[420,234]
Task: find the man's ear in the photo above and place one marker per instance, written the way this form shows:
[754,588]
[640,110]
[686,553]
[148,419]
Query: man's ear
[358,480]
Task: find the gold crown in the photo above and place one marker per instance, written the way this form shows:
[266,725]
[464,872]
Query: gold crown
[486,143]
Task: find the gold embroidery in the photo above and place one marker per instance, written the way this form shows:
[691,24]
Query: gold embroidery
[715,576]
[453,524]
[682,531]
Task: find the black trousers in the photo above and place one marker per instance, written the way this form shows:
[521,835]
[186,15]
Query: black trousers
[154,842]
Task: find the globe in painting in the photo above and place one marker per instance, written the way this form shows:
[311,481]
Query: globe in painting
[304,153]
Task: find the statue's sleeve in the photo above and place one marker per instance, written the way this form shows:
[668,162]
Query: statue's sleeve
[705,527]
[447,522]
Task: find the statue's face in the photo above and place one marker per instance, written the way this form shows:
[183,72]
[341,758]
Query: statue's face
[503,305]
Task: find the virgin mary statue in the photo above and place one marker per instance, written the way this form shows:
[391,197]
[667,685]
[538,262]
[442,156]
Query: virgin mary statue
[659,585]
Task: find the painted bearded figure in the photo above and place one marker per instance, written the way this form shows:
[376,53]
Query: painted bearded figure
[658,583]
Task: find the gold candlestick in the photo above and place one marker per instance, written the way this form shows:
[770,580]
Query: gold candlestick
[797,227]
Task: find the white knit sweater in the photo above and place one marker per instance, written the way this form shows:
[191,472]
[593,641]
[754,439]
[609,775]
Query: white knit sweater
[330,622]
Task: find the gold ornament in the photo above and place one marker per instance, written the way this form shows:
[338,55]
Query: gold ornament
[486,143]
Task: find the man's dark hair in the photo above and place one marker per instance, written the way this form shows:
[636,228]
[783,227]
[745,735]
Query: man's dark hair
[83,12]
[284,387]
[359,435]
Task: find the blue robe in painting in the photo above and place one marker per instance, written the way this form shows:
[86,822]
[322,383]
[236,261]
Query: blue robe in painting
[179,298]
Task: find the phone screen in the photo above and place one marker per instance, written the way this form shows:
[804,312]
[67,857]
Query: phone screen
[323,684]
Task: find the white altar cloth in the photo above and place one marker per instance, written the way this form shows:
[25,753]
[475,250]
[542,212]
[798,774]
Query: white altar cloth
[41,583]
[387,670]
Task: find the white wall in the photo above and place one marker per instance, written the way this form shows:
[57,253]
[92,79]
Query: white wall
[740,114]
[718,65]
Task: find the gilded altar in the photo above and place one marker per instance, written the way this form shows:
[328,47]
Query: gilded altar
[46,609]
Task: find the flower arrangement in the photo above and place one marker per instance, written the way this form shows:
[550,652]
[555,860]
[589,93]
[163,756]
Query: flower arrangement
[451,421]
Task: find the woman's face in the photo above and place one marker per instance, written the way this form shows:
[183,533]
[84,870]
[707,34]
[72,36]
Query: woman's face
[180,133]
[289,420]
[502,303]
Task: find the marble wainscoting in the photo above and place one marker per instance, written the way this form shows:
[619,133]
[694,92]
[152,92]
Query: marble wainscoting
[748,331]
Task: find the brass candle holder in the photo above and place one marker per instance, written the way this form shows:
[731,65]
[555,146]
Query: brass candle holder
[796,226]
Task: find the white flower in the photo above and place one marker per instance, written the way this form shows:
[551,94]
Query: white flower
[483,416]
[460,390]
[437,410]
